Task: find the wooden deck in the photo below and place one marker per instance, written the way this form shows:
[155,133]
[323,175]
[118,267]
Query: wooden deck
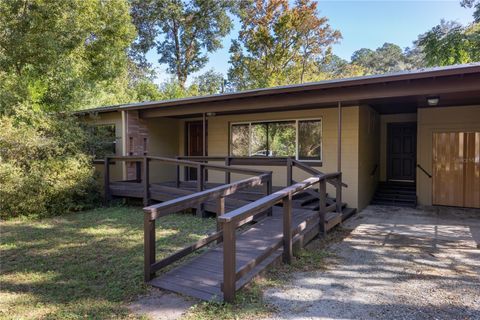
[201,276]
[166,191]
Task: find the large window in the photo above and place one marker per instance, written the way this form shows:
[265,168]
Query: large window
[301,139]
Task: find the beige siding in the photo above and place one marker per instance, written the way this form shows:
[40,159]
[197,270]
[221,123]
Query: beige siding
[218,143]
[384,121]
[163,141]
[368,154]
[430,120]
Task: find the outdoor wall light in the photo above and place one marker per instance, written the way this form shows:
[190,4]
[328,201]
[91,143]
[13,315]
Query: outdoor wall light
[210,114]
[433,101]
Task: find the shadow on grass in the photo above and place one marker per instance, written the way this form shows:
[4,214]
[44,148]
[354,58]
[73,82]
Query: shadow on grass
[86,264]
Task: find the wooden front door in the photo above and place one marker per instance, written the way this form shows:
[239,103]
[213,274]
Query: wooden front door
[194,146]
[456,169]
[401,151]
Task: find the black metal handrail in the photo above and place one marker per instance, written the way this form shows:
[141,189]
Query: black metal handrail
[424,171]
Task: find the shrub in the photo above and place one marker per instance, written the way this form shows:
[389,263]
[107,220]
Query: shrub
[45,168]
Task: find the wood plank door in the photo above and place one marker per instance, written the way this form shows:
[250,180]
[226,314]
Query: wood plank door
[456,169]
[448,169]
[401,151]
[472,169]
[194,145]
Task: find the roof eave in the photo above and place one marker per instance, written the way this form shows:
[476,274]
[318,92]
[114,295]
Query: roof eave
[336,83]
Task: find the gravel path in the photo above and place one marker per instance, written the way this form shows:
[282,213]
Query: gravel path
[161,305]
[396,264]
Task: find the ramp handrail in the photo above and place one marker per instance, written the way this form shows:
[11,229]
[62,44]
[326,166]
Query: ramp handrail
[291,163]
[195,200]
[238,217]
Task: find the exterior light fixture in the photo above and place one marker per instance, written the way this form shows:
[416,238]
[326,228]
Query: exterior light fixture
[210,114]
[433,101]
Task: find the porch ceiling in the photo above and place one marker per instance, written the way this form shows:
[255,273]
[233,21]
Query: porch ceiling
[412,103]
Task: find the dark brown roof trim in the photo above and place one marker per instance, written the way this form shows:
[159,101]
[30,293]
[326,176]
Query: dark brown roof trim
[327,84]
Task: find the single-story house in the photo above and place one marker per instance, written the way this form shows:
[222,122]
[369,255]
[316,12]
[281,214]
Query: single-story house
[416,128]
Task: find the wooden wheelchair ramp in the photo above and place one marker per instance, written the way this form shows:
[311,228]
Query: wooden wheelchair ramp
[257,223]
[202,276]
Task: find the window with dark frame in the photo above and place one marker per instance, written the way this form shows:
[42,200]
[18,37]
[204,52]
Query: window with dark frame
[301,139]
[309,140]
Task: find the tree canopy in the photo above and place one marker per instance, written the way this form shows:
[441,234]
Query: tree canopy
[387,58]
[82,53]
[182,32]
[57,53]
[473,4]
[279,43]
[451,43]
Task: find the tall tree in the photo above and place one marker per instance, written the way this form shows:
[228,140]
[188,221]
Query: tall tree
[387,58]
[451,43]
[334,67]
[210,82]
[182,32]
[279,43]
[54,53]
[472,4]
[56,56]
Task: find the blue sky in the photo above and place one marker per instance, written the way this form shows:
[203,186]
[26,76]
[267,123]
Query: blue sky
[363,24]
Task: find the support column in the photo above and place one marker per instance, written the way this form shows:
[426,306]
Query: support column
[339,142]
[124,143]
[204,135]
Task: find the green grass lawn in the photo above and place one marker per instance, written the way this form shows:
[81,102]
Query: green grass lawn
[84,265]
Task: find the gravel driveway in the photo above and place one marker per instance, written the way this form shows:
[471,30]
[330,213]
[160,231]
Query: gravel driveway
[396,264]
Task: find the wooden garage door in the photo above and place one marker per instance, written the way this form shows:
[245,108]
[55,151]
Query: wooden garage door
[456,169]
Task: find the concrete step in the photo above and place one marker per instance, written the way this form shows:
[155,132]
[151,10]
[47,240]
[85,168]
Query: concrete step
[397,203]
[392,196]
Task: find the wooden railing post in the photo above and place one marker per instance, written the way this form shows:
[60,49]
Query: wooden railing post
[287,229]
[200,173]
[289,172]
[200,187]
[322,209]
[268,190]
[229,260]
[228,176]
[138,171]
[106,180]
[205,175]
[220,212]
[149,246]
[146,182]
[177,175]
[338,187]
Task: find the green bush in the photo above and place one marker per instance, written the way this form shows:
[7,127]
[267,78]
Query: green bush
[45,167]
